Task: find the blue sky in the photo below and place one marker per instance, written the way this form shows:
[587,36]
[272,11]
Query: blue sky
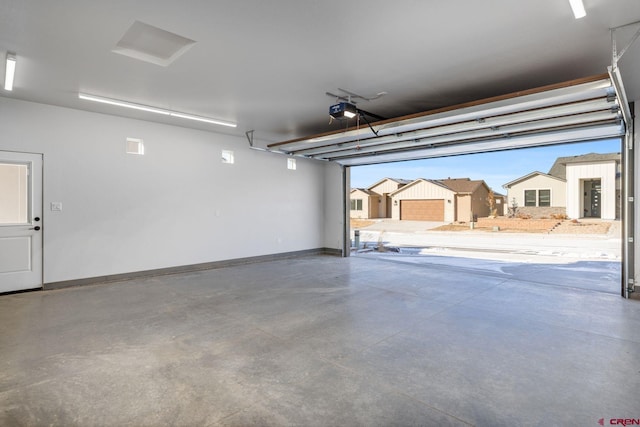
[496,168]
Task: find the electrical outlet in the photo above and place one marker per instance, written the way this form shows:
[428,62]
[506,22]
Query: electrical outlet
[56,206]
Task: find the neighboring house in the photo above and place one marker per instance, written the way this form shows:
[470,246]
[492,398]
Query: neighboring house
[363,203]
[538,194]
[446,200]
[578,186]
[374,201]
[472,198]
[383,188]
[501,203]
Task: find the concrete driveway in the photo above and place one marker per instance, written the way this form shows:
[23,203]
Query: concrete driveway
[579,261]
[402,226]
[414,237]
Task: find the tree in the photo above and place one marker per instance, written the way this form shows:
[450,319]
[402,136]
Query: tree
[491,201]
[513,209]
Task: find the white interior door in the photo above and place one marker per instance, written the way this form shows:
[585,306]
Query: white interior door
[20,221]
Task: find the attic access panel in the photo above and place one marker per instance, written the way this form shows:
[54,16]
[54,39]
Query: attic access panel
[574,111]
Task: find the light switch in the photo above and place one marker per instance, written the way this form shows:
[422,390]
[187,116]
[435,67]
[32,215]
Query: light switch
[56,206]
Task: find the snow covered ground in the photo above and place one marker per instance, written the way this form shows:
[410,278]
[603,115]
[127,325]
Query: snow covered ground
[524,247]
[590,262]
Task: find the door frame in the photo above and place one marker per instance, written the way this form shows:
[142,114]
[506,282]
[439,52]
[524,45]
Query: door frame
[36,177]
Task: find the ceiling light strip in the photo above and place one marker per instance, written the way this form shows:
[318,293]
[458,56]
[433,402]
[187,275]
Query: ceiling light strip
[557,111]
[124,104]
[149,109]
[578,8]
[10,71]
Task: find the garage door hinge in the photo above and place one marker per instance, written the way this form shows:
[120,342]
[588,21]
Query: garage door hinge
[630,240]
[630,199]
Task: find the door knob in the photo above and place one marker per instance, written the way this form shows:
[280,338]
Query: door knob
[37,228]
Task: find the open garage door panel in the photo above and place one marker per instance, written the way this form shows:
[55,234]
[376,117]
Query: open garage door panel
[592,108]
[579,110]
[422,210]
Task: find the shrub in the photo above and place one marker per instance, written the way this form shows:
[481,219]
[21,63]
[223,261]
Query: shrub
[521,215]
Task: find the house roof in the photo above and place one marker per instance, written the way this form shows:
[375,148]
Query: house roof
[398,180]
[559,168]
[437,182]
[530,175]
[364,190]
[463,185]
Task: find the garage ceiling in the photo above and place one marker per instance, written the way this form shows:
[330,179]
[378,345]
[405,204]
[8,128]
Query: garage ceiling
[266,65]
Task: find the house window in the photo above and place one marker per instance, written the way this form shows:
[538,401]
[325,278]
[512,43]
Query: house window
[227,156]
[356,204]
[541,198]
[529,197]
[135,146]
[544,197]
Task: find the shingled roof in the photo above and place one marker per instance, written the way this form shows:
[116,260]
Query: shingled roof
[559,168]
[462,185]
[366,191]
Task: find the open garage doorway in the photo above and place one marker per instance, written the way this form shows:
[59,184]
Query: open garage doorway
[549,215]
[592,108]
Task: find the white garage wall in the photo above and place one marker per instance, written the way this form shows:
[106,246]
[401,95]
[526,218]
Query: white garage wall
[176,205]
[336,199]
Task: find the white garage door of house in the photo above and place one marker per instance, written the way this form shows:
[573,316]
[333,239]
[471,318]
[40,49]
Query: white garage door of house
[592,108]
[422,210]
[575,111]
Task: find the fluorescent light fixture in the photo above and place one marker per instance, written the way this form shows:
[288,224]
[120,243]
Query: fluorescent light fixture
[578,8]
[123,104]
[155,110]
[202,119]
[10,71]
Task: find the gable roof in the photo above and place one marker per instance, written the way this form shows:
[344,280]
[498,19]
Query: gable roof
[463,185]
[559,168]
[530,175]
[397,180]
[364,190]
[419,180]
[455,185]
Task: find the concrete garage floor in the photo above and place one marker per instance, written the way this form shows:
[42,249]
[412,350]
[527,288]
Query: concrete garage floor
[319,341]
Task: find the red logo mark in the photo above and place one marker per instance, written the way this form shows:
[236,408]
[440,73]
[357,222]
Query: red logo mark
[621,421]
